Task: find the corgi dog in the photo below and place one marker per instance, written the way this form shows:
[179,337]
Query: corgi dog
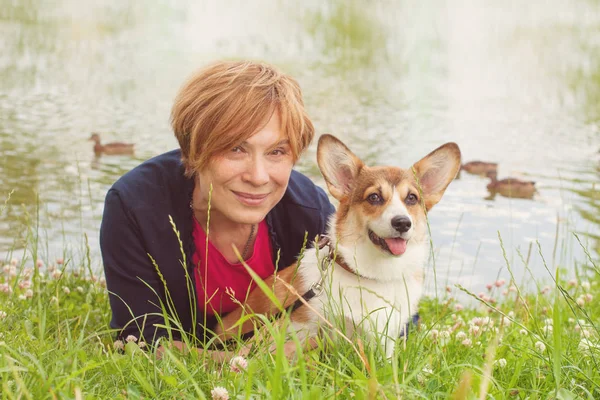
[371,273]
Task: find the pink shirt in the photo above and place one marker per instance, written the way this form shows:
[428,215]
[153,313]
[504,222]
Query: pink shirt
[223,277]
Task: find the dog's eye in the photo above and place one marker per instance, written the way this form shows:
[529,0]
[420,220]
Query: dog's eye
[411,199]
[374,198]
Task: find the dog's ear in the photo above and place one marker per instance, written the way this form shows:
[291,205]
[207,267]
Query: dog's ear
[435,171]
[339,166]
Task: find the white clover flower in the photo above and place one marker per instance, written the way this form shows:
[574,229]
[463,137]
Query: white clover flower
[131,338]
[506,321]
[546,289]
[238,364]
[586,333]
[500,363]
[474,330]
[22,297]
[3,314]
[39,263]
[512,288]
[467,342]
[60,260]
[66,290]
[14,262]
[118,345]
[56,274]
[540,346]
[588,297]
[54,300]
[141,344]
[586,345]
[580,301]
[79,289]
[24,284]
[585,285]
[500,282]
[523,332]
[433,334]
[548,329]
[444,337]
[459,307]
[461,336]
[29,293]
[51,268]
[219,393]
[572,282]
[6,269]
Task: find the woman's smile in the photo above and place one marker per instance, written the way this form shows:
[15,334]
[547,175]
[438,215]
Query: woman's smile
[250,199]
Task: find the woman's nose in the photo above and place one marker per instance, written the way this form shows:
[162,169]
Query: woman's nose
[257,173]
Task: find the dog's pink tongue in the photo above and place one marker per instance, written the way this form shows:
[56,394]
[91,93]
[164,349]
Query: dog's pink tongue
[396,245]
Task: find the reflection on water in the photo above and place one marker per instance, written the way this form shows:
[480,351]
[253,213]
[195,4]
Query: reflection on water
[511,83]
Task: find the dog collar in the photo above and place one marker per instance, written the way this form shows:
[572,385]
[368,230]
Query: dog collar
[334,256]
[317,288]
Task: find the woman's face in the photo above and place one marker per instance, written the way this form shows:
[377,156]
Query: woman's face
[250,179]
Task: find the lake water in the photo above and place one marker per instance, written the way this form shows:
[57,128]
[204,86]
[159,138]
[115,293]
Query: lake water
[513,82]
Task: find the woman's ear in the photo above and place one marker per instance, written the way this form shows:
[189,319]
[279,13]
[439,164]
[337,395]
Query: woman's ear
[435,171]
[339,166]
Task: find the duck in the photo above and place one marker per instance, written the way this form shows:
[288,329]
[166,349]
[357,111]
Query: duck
[511,187]
[479,167]
[110,148]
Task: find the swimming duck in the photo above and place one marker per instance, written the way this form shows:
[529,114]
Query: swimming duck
[511,187]
[110,148]
[479,167]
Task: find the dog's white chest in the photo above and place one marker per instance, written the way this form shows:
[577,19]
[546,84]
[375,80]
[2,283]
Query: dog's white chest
[379,308]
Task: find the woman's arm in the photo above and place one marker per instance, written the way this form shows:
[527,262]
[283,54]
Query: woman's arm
[135,290]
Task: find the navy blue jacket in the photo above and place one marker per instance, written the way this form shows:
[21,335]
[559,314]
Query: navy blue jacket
[144,258]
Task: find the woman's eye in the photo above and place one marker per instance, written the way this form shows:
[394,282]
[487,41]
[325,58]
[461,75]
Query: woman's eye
[374,198]
[412,199]
[277,152]
[237,149]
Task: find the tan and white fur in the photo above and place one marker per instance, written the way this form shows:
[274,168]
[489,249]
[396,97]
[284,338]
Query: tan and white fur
[380,233]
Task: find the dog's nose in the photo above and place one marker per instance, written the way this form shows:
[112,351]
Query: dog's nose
[401,223]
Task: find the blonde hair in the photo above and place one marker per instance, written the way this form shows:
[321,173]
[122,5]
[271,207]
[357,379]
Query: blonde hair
[225,103]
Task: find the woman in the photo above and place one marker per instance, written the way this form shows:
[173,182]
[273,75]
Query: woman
[241,126]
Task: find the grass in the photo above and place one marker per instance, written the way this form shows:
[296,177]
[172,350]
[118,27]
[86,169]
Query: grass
[506,343]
